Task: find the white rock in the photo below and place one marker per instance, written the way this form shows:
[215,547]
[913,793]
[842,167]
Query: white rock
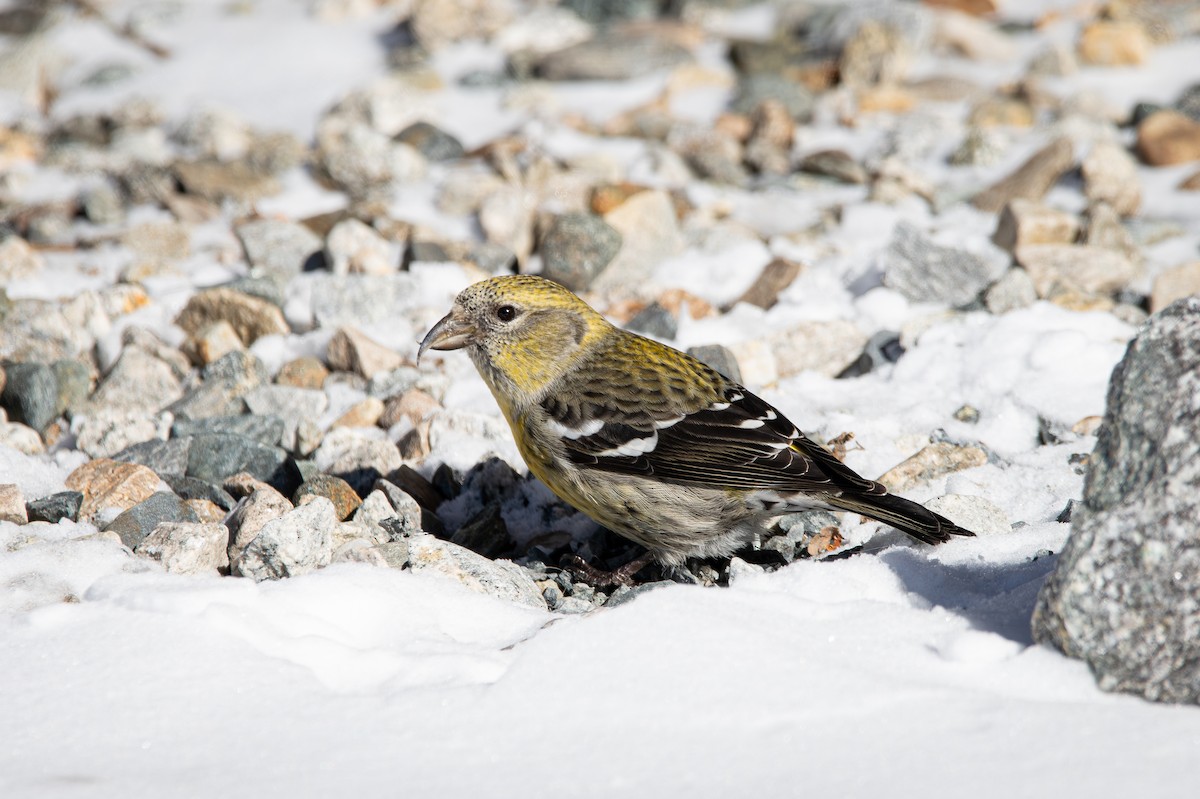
[296,543]
[187,547]
[502,579]
[649,235]
[827,347]
[374,510]
[249,517]
[12,504]
[353,247]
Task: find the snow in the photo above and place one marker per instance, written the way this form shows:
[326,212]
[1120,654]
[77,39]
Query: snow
[904,670]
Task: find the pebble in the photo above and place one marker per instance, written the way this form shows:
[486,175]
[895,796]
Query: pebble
[21,437]
[12,504]
[363,161]
[253,511]
[138,521]
[187,547]
[617,54]
[107,484]
[719,357]
[304,372]
[649,235]
[17,259]
[825,347]
[251,317]
[1032,179]
[215,456]
[365,413]
[506,217]
[834,164]
[927,272]
[931,462]
[54,508]
[1025,222]
[431,141]
[1013,291]
[501,579]
[335,489]
[277,248]
[162,457]
[414,405]
[655,321]
[1168,137]
[193,488]
[264,429]
[30,394]
[295,406]
[1076,267]
[350,350]
[138,381]
[1110,176]
[774,278]
[374,511]
[1173,284]
[298,542]
[576,248]
[352,247]
[409,513]
[218,182]
[359,461]
[977,514]
[1114,43]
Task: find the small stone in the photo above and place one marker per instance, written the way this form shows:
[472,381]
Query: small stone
[930,463]
[17,259]
[794,97]
[654,320]
[12,504]
[296,543]
[1026,222]
[355,248]
[614,55]
[109,484]
[1011,292]
[253,511]
[431,141]
[980,147]
[304,372]
[352,351]
[187,547]
[217,182]
[711,154]
[719,357]
[278,248]
[1112,44]
[1032,179]
[335,489]
[649,235]
[213,341]
[774,278]
[1174,284]
[437,23]
[874,54]
[74,382]
[374,511]
[927,272]
[501,579]
[485,533]
[136,523]
[1105,229]
[1110,176]
[102,204]
[251,317]
[992,112]
[193,488]
[30,394]
[297,407]
[414,405]
[977,514]
[359,461]
[1076,267]
[365,413]
[835,164]
[1168,137]
[216,456]
[54,508]
[968,414]
[264,429]
[409,515]
[161,457]
[576,248]
[364,161]
[1054,60]
[138,381]
[159,241]
[826,347]
[20,437]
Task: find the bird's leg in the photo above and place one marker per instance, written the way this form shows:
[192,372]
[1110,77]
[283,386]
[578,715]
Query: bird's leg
[600,578]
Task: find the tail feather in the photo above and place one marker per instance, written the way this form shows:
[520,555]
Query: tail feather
[916,520]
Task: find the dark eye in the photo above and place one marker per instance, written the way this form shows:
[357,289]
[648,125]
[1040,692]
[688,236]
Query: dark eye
[506,313]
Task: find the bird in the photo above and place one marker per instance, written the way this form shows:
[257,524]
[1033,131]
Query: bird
[646,440]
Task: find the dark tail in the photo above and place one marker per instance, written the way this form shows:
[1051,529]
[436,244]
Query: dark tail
[916,520]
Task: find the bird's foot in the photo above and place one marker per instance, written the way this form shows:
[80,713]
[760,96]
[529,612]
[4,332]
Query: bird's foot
[599,578]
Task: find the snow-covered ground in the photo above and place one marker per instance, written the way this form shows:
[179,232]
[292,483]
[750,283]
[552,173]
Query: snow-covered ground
[907,671]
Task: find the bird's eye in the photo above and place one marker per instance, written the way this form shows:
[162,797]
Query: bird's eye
[506,313]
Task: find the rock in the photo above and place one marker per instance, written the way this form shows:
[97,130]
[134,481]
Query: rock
[365,413]
[250,515]
[1103,228]
[54,508]
[414,405]
[506,216]
[108,484]
[102,433]
[73,380]
[359,461]
[1174,284]
[1168,137]
[930,463]
[407,511]
[137,522]
[214,341]
[251,317]
[351,351]
[437,23]
[1026,222]
[1112,44]
[138,381]
[771,281]
[1076,267]
[161,457]
[296,543]
[654,320]
[193,488]
[374,511]
[338,302]
[265,429]
[1123,595]
[277,248]
[303,372]
[30,394]
[431,141]
[1032,179]
[1012,291]
[17,259]
[1110,176]
[103,205]
[927,272]
[355,248]
[616,54]
[649,234]
[485,533]
[974,38]
[158,241]
[216,456]
[827,347]
[20,437]
[875,53]
[299,408]
[576,248]
[12,504]
[719,357]
[1054,60]
[977,514]
[834,164]
[217,182]
[711,153]
[335,489]
[187,547]
[1191,183]
[365,162]
[501,579]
